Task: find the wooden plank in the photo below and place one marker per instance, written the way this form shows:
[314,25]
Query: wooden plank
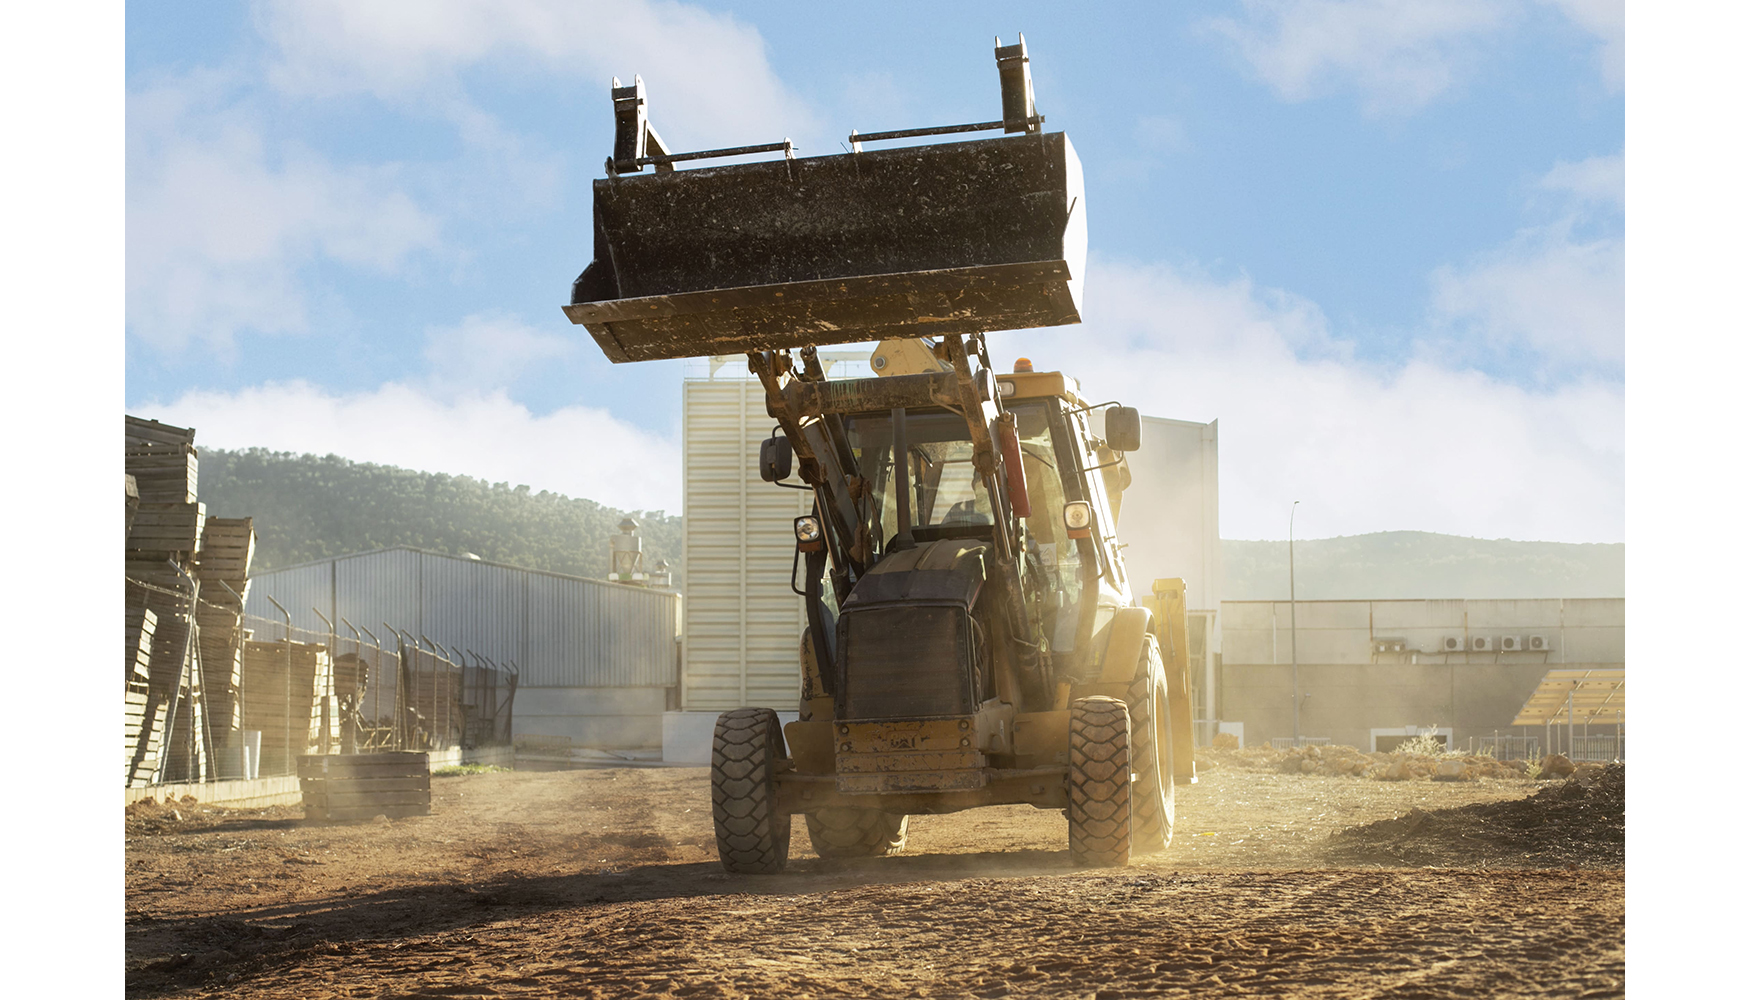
[385,757]
[142,429]
[342,800]
[365,786]
[355,813]
[366,781]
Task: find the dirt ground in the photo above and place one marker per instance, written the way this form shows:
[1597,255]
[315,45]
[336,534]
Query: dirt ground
[605,883]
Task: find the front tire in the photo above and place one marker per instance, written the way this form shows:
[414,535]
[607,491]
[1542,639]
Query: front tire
[753,835]
[1099,782]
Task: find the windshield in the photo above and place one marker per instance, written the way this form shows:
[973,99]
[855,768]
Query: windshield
[945,492]
[946,495]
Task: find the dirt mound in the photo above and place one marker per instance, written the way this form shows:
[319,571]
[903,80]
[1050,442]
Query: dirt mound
[1576,823]
[1330,761]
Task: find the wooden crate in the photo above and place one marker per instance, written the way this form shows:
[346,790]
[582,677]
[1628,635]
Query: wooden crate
[164,475]
[188,756]
[264,699]
[141,624]
[150,432]
[227,549]
[221,678]
[143,758]
[166,530]
[340,787]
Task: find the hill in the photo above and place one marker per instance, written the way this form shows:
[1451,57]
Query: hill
[313,507]
[309,507]
[1420,564]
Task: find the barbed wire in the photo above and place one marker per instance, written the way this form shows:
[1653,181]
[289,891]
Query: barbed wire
[327,637]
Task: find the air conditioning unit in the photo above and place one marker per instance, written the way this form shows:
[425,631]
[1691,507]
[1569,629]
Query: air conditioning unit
[1482,644]
[1452,644]
[1537,643]
[1511,644]
[1390,645]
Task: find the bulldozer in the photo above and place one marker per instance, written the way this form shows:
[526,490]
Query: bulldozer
[972,636]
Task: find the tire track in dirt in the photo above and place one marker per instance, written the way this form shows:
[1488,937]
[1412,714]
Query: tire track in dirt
[1384,934]
[592,884]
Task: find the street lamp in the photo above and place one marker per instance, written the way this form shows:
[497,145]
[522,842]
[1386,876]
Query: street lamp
[1293,649]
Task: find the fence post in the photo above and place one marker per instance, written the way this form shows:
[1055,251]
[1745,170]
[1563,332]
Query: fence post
[376,694]
[328,703]
[400,687]
[349,735]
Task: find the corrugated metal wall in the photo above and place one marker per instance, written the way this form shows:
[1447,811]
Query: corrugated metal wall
[742,622]
[561,631]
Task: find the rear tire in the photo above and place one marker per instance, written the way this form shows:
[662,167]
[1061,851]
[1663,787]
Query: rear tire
[1099,782]
[753,836]
[856,833]
[1151,754]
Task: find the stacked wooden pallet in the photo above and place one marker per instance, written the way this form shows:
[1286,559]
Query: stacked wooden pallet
[287,700]
[139,767]
[362,786]
[163,461]
[163,537]
[187,752]
[222,566]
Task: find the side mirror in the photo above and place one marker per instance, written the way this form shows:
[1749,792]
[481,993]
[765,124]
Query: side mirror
[1123,429]
[775,457]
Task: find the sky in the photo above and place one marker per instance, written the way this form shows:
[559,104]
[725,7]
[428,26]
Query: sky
[1381,241]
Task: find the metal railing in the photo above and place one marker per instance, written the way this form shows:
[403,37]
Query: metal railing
[1597,748]
[1508,747]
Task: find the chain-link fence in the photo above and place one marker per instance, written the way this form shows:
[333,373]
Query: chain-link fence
[241,696]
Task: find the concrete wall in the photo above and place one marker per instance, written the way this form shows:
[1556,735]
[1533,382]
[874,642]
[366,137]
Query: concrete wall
[603,717]
[1349,687]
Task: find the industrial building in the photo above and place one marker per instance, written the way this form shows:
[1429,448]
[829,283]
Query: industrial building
[1372,671]
[595,661]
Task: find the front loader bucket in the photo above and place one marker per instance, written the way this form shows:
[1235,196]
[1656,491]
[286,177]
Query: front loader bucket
[961,237]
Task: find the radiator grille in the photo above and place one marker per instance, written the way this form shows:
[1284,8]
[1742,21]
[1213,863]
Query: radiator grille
[906,662]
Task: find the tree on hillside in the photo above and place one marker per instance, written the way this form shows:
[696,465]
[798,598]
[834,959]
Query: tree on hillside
[308,507]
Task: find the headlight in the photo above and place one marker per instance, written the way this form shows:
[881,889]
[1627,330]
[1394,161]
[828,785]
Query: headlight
[807,529]
[1077,515]
[1006,388]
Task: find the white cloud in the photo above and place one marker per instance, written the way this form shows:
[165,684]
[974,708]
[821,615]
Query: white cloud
[219,225]
[1399,54]
[489,351]
[1365,447]
[577,451]
[1548,300]
[1604,20]
[1595,179]
[1545,292]
[707,74]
